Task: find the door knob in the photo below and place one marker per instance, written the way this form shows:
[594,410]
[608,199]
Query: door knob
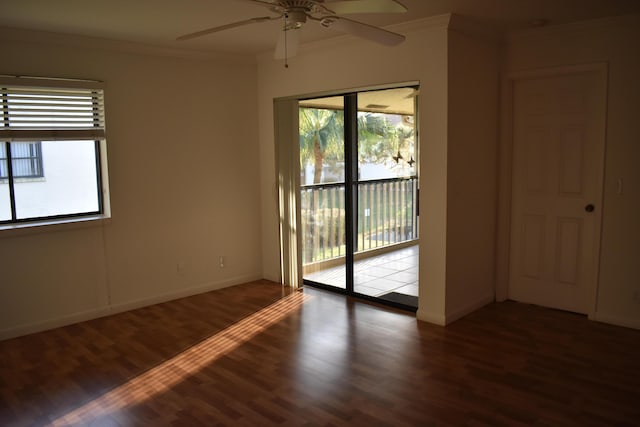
[589,208]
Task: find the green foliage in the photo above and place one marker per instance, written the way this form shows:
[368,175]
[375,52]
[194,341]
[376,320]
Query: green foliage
[380,136]
[323,127]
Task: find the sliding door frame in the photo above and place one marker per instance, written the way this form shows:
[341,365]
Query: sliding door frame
[287,157]
[351,185]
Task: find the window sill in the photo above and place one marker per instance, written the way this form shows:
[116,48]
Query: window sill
[26,229]
[24,180]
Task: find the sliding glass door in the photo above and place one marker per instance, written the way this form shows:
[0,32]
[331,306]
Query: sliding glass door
[386,258]
[323,192]
[358,194]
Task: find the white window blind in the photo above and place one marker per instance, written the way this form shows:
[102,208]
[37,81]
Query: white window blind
[50,109]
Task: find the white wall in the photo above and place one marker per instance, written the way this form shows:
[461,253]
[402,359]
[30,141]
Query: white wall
[348,63]
[472,171]
[183,165]
[617,43]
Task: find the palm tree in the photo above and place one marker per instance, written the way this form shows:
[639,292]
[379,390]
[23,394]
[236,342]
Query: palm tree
[321,135]
[380,136]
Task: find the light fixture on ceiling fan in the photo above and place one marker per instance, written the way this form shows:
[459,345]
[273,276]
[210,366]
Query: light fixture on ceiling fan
[327,13]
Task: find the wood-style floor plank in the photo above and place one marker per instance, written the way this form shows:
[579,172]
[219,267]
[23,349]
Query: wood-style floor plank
[257,354]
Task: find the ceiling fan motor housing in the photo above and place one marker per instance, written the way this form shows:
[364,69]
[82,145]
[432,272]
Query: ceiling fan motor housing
[296,11]
[309,6]
[295,19]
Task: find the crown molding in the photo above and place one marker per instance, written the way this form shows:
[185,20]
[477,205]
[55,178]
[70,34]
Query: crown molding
[437,21]
[473,28]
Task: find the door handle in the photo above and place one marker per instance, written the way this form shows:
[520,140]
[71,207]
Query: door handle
[589,208]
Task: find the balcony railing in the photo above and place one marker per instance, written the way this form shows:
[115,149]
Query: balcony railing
[387,214]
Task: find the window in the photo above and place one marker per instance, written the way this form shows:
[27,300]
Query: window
[27,161]
[52,137]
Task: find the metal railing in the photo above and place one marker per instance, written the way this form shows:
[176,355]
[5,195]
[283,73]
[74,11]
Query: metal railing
[387,214]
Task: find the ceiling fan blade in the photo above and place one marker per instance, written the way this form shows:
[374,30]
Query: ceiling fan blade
[226,27]
[365,6]
[265,3]
[287,46]
[366,31]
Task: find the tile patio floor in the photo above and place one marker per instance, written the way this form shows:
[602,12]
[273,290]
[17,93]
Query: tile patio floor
[395,271]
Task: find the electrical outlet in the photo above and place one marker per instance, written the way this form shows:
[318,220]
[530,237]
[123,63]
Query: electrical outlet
[221,259]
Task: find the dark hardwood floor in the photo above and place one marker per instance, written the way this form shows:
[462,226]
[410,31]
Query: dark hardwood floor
[256,355]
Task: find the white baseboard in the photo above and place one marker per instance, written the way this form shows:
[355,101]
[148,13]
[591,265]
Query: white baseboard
[615,320]
[425,316]
[31,328]
[469,308]
[182,293]
[447,318]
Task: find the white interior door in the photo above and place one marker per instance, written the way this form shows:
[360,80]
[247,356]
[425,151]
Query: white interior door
[558,158]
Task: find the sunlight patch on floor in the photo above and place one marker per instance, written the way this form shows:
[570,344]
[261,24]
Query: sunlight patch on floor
[170,372]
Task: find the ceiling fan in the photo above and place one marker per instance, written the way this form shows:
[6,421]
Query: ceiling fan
[296,13]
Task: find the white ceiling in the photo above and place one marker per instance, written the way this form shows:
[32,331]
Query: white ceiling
[392,101]
[159,22]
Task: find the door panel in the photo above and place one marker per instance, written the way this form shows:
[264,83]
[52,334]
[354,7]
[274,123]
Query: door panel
[558,143]
[532,252]
[568,234]
[322,192]
[387,184]
[571,152]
